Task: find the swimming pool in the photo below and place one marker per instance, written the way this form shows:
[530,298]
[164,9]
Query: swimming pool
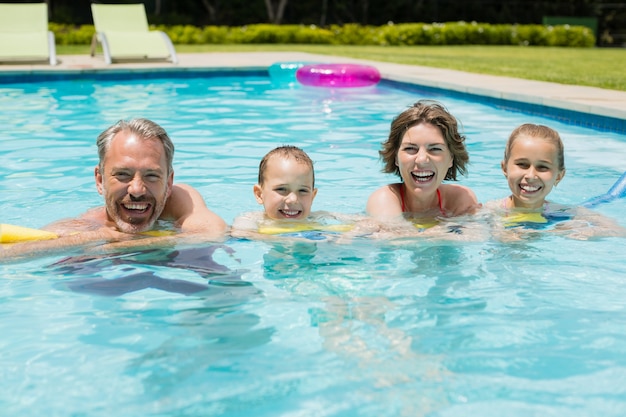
[369,328]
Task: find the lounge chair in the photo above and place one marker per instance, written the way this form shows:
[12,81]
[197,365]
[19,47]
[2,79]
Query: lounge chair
[122,31]
[24,34]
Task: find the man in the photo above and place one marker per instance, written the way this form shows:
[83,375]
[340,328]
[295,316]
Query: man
[136,178]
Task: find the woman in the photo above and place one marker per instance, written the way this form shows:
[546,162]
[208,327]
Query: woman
[424,148]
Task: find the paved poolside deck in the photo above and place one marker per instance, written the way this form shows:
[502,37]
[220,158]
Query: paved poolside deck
[589,100]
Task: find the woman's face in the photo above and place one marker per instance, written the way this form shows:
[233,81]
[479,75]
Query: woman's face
[423,158]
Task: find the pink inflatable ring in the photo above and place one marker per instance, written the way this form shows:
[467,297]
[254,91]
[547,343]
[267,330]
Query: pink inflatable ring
[338,75]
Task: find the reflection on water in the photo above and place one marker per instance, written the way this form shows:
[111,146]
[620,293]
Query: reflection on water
[128,278]
[208,341]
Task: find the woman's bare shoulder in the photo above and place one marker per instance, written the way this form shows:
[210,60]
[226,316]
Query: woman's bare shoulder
[459,199]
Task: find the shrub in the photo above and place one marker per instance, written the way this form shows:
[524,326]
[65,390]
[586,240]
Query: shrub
[313,35]
[351,34]
[450,33]
[526,35]
[457,33]
[72,35]
[566,35]
[182,34]
[404,34]
[214,34]
[265,33]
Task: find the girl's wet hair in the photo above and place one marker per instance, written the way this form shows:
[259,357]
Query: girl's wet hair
[434,113]
[145,129]
[537,131]
[285,151]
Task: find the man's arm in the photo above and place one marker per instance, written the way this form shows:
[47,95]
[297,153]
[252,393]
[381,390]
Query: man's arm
[187,209]
[18,251]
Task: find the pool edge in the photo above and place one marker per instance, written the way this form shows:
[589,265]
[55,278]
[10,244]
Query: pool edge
[591,107]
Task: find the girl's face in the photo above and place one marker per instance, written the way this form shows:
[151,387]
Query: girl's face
[423,158]
[532,170]
[287,191]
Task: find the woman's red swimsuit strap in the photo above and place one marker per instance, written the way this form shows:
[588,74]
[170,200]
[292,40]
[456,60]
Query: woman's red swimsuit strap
[443,213]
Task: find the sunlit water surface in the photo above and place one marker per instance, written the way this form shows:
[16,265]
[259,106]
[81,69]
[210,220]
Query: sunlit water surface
[313,328]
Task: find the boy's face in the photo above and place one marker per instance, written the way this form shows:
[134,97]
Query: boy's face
[287,191]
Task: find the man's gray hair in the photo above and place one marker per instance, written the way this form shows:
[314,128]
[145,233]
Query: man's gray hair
[144,128]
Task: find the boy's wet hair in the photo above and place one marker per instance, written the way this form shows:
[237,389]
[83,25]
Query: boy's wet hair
[537,131]
[433,113]
[285,151]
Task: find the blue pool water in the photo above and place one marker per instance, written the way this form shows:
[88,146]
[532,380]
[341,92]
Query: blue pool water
[417,327]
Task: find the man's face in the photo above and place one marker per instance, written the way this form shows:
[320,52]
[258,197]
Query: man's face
[134,182]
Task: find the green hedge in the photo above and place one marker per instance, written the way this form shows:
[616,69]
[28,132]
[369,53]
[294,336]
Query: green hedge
[452,33]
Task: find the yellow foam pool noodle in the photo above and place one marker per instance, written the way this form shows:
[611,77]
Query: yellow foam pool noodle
[425,224]
[304,227]
[10,234]
[158,233]
[521,218]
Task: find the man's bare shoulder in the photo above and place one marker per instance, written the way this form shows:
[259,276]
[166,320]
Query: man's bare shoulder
[187,209]
[182,201]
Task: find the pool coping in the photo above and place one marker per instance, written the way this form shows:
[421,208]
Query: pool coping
[573,102]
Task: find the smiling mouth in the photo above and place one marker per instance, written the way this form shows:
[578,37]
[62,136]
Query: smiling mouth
[423,176]
[290,213]
[529,188]
[138,208]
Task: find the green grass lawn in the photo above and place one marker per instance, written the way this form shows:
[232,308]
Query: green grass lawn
[596,67]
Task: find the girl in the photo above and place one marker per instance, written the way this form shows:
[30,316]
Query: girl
[533,164]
